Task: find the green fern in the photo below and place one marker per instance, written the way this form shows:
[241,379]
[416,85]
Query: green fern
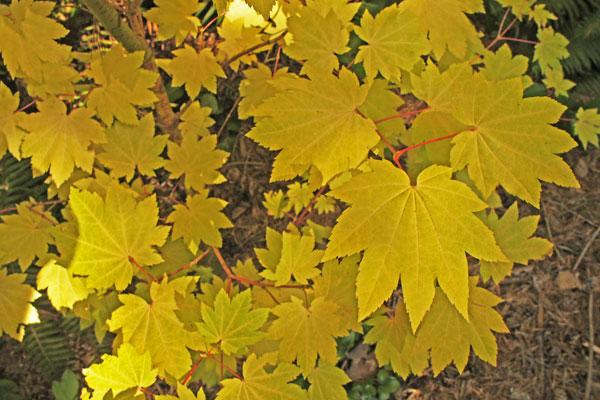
[579,21]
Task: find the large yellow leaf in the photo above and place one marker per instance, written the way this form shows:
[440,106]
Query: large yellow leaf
[25,235]
[232,323]
[314,122]
[449,335]
[420,232]
[154,327]
[512,142]
[15,304]
[115,374]
[259,384]
[58,141]
[133,146]
[305,333]
[395,41]
[112,230]
[175,18]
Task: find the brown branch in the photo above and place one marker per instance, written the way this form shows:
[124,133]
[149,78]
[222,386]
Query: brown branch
[190,264]
[254,48]
[134,41]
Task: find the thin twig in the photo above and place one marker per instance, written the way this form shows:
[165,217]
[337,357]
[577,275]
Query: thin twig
[229,114]
[590,368]
[142,269]
[549,230]
[190,264]
[251,49]
[586,248]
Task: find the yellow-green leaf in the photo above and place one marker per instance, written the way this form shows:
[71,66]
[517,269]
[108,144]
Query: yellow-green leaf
[25,235]
[514,236]
[587,126]
[314,122]
[64,289]
[194,70]
[450,336]
[420,232]
[175,18]
[10,133]
[259,384]
[394,39]
[327,383]
[112,230]
[15,304]
[133,146]
[58,142]
[305,333]
[154,327]
[199,220]
[115,374]
[298,258]
[197,160]
[232,323]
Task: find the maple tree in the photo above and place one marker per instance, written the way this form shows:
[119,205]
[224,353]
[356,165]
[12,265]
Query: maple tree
[408,145]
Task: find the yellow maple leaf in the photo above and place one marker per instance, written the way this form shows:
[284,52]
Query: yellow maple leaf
[111,231]
[10,133]
[133,146]
[551,49]
[395,41]
[28,38]
[257,87]
[25,235]
[175,18]
[337,284]
[57,141]
[514,238]
[199,220]
[587,126]
[154,327]
[263,7]
[259,384]
[115,374]
[308,120]
[183,393]
[327,383]
[446,23]
[237,38]
[317,40]
[512,142]
[438,228]
[198,160]
[64,289]
[194,70]
[15,304]
[124,84]
[298,258]
[305,333]
[395,342]
[232,323]
[450,336]
[196,120]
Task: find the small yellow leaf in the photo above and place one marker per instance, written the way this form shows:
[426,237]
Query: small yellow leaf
[15,304]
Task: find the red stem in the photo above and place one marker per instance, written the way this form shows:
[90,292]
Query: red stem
[245,281]
[148,274]
[301,218]
[399,153]
[514,39]
[403,115]
[190,264]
